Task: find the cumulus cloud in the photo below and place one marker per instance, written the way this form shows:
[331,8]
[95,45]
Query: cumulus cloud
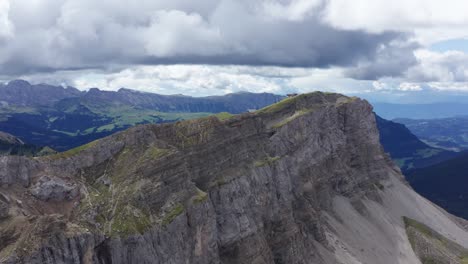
[53,35]
[294,10]
[219,46]
[405,86]
[449,66]
[449,86]
[195,80]
[430,20]
[6,27]
[390,61]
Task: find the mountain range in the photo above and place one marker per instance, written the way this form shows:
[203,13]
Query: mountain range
[74,122]
[63,118]
[304,180]
[69,118]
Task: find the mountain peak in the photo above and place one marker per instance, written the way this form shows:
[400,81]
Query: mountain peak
[18,83]
[131,91]
[306,101]
[290,183]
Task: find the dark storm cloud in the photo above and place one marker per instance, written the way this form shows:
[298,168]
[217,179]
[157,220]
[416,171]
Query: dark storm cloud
[63,35]
[390,60]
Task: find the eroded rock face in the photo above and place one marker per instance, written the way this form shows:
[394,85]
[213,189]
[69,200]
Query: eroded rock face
[297,182]
[16,170]
[54,189]
[4,206]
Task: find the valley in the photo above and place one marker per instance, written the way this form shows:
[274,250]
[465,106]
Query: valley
[233,132]
[447,133]
[272,186]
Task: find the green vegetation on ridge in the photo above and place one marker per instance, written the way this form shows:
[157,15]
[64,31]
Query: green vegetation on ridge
[432,247]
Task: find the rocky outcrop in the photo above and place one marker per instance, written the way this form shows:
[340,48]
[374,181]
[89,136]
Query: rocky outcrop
[4,206]
[302,181]
[54,189]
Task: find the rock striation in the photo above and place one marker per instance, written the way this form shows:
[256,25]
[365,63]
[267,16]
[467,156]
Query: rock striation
[302,181]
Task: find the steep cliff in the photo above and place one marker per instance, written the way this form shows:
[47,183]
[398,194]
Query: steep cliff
[302,181]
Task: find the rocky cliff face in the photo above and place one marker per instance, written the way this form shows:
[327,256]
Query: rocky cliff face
[302,181]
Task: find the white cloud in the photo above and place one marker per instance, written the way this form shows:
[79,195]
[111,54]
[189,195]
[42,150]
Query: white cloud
[294,10]
[177,33]
[6,27]
[195,80]
[449,66]
[379,85]
[429,20]
[69,34]
[405,86]
[335,45]
[449,86]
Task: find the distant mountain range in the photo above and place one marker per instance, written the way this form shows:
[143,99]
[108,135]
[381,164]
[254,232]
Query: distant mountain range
[20,93]
[63,118]
[406,149]
[449,133]
[420,111]
[304,180]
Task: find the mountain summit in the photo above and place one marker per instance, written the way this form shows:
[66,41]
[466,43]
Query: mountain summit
[304,180]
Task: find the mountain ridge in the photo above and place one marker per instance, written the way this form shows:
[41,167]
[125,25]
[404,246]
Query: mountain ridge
[303,180]
[64,123]
[22,93]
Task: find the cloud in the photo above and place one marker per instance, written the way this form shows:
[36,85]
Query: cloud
[405,86]
[57,35]
[449,86]
[449,66]
[429,20]
[6,27]
[175,33]
[218,46]
[391,60]
[196,80]
[293,11]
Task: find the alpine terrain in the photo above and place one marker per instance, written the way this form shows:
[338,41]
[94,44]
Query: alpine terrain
[304,180]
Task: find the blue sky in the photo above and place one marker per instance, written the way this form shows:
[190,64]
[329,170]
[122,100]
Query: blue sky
[397,50]
[450,45]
